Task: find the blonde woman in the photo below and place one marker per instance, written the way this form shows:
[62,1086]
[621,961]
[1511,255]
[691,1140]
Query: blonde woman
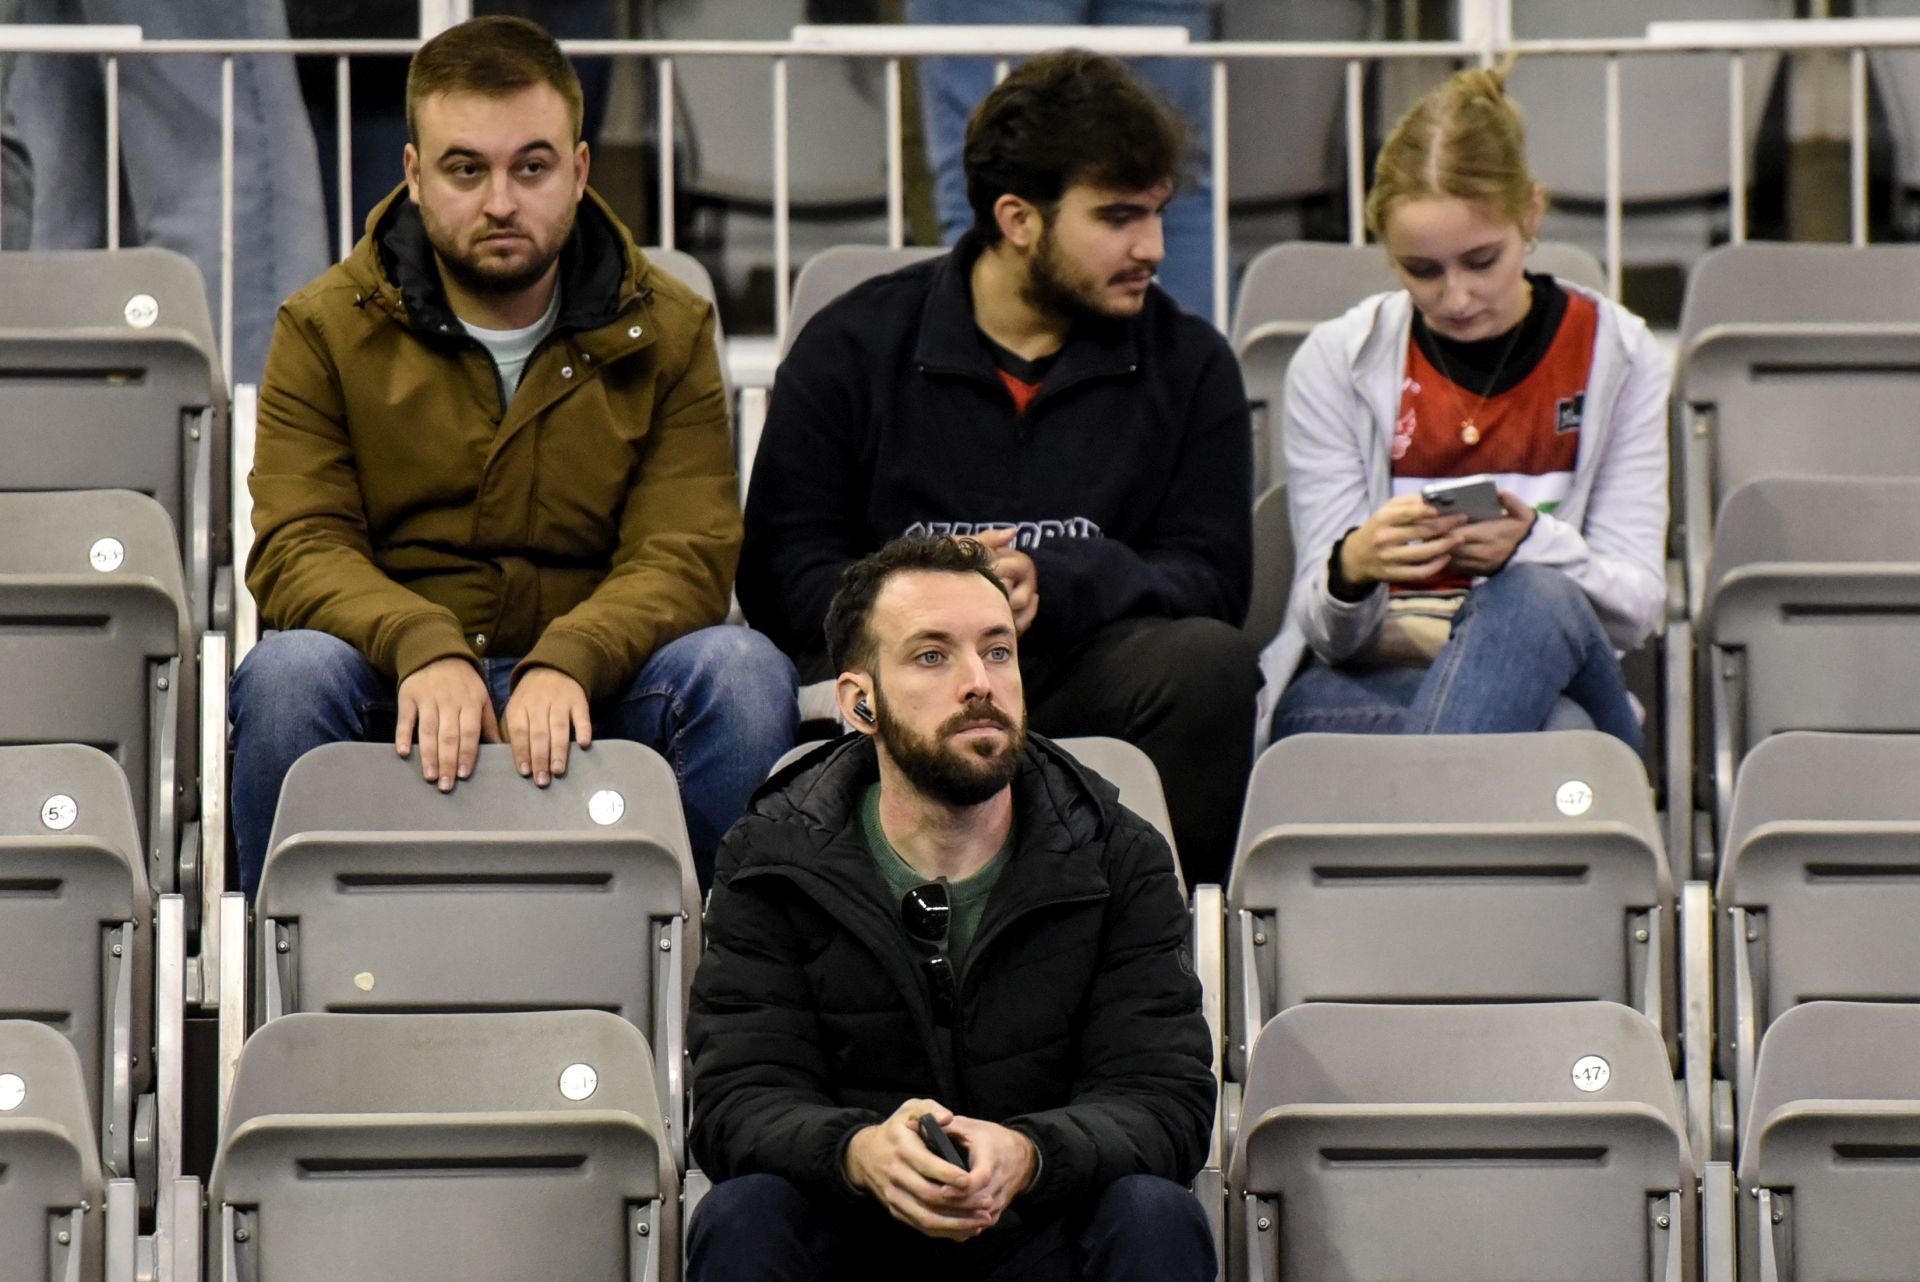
[1407,618]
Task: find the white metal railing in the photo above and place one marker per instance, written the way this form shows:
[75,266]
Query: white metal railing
[1491,39]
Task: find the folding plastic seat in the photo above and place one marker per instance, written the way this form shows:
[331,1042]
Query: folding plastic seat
[382,894]
[52,1196]
[96,648]
[1448,868]
[835,270]
[1812,612]
[1827,1172]
[1289,288]
[76,929]
[110,379]
[444,1148]
[1488,1143]
[1820,887]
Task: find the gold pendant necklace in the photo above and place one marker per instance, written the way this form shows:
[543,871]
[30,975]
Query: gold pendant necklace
[1470,419]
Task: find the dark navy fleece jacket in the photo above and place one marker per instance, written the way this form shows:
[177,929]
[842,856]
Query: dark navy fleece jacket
[1129,477]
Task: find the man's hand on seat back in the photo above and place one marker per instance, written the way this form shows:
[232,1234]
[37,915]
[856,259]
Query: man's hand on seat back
[548,708]
[448,702]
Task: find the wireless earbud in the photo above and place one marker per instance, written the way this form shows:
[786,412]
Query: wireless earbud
[862,711]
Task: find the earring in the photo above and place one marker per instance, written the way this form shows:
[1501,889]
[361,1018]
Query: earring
[1533,243]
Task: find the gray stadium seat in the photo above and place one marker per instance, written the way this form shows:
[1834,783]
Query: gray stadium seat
[833,271]
[1818,891]
[1448,868]
[111,354]
[1795,360]
[382,894]
[1498,1143]
[1812,612]
[52,1196]
[1132,772]
[95,648]
[1272,565]
[1289,288]
[444,1148]
[1826,1164]
[76,929]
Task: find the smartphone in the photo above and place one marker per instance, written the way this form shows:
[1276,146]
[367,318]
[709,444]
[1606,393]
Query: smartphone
[1474,496]
[940,1143]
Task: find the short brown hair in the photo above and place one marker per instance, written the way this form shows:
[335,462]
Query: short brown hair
[1465,139]
[1063,117]
[849,643]
[494,57]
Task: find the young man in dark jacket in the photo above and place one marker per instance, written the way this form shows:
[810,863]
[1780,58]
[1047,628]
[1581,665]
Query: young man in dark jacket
[942,930]
[1036,390]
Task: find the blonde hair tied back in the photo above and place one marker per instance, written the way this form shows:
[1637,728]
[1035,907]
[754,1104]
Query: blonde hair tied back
[1465,139]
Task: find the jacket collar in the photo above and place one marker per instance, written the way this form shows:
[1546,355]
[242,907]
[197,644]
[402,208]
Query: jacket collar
[1058,812]
[951,342]
[599,269]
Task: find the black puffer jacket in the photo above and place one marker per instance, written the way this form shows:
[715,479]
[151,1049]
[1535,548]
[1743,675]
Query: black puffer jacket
[1080,1018]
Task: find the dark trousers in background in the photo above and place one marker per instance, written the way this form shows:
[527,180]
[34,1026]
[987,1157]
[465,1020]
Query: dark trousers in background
[1182,691]
[760,1228]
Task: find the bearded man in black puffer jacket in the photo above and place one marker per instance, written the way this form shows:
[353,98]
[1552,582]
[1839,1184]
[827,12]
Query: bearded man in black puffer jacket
[943,930]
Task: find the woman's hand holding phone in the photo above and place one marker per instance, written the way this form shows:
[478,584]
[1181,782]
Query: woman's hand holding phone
[1407,540]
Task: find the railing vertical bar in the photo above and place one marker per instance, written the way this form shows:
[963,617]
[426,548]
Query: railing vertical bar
[1857,140]
[666,127]
[343,148]
[1614,197]
[1222,248]
[226,218]
[1737,149]
[896,159]
[1356,153]
[782,197]
[113,153]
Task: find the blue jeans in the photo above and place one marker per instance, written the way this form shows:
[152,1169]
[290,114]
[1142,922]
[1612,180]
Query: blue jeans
[1525,644]
[951,87]
[717,703]
[761,1228]
[170,153]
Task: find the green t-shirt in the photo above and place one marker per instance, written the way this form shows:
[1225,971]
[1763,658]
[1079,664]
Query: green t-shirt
[968,897]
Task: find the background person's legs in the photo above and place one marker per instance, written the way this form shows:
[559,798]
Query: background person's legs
[1182,690]
[294,692]
[718,704]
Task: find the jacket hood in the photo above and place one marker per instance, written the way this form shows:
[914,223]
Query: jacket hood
[600,269]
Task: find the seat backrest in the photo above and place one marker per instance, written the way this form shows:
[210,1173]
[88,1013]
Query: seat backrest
[51,1190]
[837,269]
[1434,868]
[1828,1143]
[1782,283]
[95,646]
[1492,1142]
[1132,772]
[382,894]
[1272,565]
[1565,100]
[373,1145]
[76,939]
[1310,94]
[109,356]
[1812,596]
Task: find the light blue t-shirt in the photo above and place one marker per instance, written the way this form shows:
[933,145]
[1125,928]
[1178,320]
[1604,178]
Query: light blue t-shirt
[510,348]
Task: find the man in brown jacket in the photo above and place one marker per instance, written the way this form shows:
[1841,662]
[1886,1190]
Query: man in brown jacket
[494,493]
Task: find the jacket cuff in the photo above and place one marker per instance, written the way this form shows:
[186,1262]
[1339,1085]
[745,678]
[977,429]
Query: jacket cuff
[423,640]
[575,655]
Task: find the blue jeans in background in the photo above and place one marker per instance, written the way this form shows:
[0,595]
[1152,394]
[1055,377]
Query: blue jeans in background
[762,1228]
[718,704]
[1526,653]
[950,88]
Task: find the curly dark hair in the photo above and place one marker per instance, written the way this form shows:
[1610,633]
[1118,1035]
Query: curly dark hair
[1064,117]
[849,644]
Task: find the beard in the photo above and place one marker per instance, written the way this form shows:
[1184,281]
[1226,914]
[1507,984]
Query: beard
[486,276]
[963,775]
[1057,287]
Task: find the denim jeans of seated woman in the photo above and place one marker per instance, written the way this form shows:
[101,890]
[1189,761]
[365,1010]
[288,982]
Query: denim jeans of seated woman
[718,704]
[1527,652]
